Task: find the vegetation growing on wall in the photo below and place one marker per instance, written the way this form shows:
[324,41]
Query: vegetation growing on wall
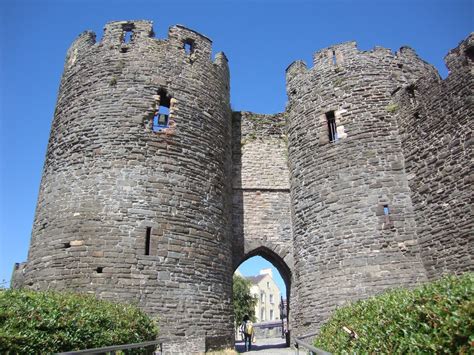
[436,318]
[48,322]
[259,126]
[392,108]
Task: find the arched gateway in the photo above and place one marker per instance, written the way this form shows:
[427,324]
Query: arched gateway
[285,272]
[153,191]
[261,222]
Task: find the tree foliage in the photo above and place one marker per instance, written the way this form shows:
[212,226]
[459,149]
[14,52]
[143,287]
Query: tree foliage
[49,322]
[244,302]
[436,318]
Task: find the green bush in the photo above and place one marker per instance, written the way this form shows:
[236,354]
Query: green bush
[46,322]
[436,318]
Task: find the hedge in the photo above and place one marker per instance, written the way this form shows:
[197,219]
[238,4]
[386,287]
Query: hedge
[48,322]
[436,318]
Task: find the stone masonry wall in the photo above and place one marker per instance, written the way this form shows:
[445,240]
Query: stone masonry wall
[261,204]
[260,181]
[110,180]
[345,248]
[434,119]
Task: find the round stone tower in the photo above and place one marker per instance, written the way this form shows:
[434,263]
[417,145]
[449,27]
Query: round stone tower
[134,202]
[353,224]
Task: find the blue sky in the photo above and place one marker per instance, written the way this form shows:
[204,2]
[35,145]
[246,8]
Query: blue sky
[260,38]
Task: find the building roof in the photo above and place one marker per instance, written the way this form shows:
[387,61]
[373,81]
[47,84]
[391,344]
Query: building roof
[255,279]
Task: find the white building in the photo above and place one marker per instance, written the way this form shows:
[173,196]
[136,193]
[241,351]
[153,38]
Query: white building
[268,295]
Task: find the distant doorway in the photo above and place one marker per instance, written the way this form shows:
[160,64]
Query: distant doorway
[268,280]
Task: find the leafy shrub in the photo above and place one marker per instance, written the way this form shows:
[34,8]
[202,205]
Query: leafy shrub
[244,302]
[46,322]
[435,318]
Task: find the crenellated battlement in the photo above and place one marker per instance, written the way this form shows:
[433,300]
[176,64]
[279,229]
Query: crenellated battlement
[335,55]
[336,66]
[118,32]
[191,42]
[136,35]
[462,55]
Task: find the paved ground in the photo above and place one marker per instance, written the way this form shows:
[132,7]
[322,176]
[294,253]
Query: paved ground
[273,346]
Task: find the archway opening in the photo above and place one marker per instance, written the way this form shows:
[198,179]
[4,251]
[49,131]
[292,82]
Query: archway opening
[268,280]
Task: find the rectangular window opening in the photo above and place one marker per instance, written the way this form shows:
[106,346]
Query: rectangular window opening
[332,130]
[161,119]
[334,59]
[147,240]
[386,214]
[188,46]
[127,36]
[100,269]
[66,245]
[470,53]
[162,114]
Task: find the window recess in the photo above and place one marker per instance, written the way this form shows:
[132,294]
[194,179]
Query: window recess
[331,123]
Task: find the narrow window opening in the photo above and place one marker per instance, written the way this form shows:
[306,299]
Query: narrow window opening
[332,130]
[386,213]
[100,269]
[334,59]
[161,117]
[470,53]
[147,240]
[411,91]
[188,46]
[400,65]
[67,245]
[127,36]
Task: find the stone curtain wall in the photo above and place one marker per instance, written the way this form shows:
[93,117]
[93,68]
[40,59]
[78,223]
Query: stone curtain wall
[261,214]
[261,204]
[109,180]
[345,248]
[436,134]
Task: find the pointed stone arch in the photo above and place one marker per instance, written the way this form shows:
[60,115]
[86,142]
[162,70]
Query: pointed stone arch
[282,259]
[274,258]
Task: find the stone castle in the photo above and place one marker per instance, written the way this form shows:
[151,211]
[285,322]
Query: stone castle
[154,191]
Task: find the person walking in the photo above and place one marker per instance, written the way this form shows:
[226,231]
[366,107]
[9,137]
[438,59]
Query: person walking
[247,331]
